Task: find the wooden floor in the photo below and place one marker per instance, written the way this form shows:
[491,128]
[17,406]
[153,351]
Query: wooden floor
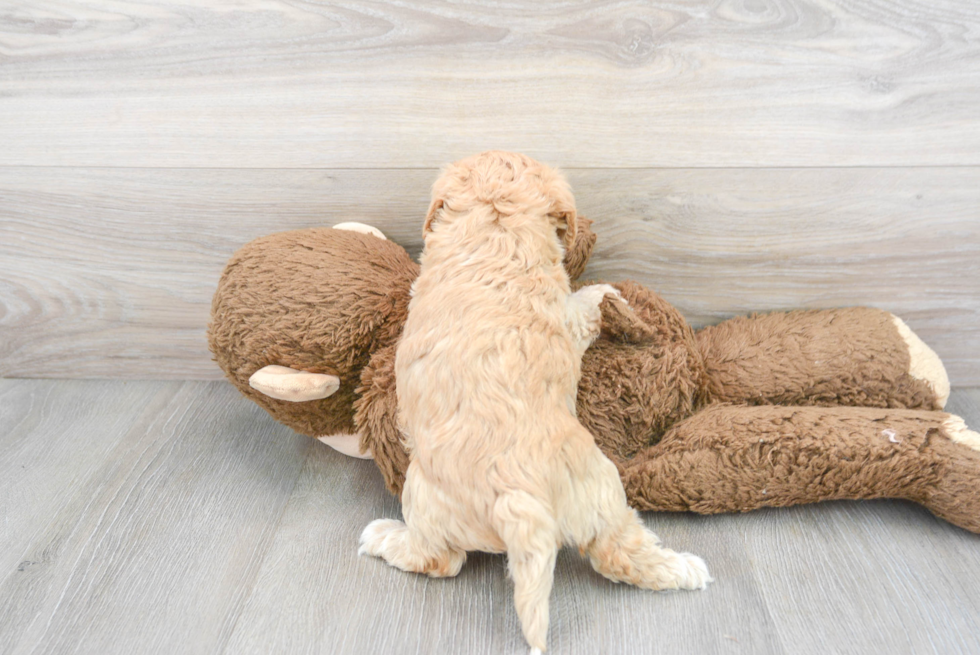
[176,517]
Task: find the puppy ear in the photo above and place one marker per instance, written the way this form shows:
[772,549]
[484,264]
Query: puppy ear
[567,226]
[434,208]
[577,256]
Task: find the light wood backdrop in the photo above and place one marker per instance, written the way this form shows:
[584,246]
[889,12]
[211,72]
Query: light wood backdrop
[737,156]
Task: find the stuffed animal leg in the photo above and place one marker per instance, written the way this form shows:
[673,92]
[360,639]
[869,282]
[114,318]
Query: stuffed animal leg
[857,356]
[737,458]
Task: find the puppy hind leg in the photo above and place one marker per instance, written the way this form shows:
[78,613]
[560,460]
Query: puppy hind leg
[416,547]
[408,550]
[530,534]
[395,542]
[631,553]
[619,547]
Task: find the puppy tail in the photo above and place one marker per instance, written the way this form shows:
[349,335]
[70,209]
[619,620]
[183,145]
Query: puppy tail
[530,534]
[619,547]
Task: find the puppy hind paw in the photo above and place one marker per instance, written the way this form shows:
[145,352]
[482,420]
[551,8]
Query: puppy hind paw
[393,542]
[374,535]
[694,572]
[675,571]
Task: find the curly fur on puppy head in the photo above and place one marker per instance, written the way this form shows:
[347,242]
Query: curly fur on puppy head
[508,187]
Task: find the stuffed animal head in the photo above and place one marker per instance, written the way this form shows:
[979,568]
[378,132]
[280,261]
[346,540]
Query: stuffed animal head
[297,315]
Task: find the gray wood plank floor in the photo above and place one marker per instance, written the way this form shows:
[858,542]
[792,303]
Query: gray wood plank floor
[175,517]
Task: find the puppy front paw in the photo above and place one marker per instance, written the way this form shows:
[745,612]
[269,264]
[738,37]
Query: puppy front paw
[622,322]
[594,294]
[583,315]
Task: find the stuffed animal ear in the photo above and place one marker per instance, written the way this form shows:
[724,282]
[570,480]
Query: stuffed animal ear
[283,383]
[361,228]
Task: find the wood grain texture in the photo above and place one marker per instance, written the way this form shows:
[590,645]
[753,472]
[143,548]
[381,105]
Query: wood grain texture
[42,465]
[165,517]
[868,577]
[110,272]
[149,507]
[966,403]
[275,83]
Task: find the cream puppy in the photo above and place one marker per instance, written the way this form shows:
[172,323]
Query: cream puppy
[487,373]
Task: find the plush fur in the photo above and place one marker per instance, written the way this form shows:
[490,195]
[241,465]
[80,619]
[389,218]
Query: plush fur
[333,301]
[487,372]
[277,304]
[739,458]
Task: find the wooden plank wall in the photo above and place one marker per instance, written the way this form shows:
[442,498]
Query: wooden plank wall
[737,156]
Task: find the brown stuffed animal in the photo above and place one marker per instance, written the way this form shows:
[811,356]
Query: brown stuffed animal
[772,410]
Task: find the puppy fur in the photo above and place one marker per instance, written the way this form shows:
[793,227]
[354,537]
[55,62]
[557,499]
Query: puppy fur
[487,372]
